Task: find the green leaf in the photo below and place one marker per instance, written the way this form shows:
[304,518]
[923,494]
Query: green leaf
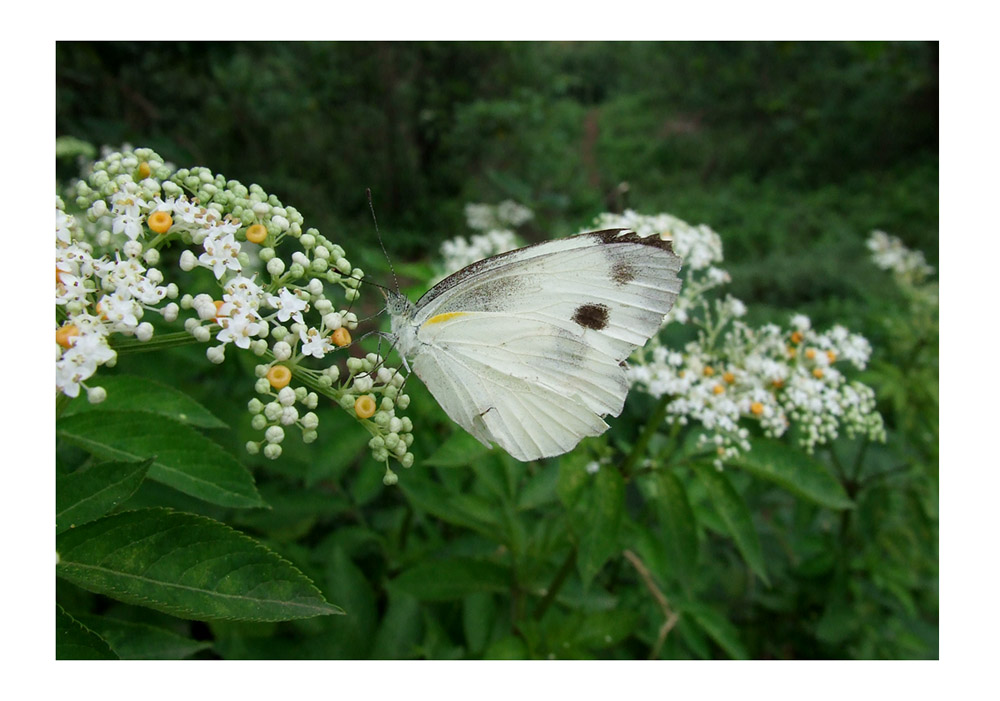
[188,566]
[85,495]
[129,393]
[459,450]
[399,634]
[74,641]
[733,511]
[678,524]
[183,458]
[539,489]
[603,629]
[718,628]
[597,524]
[445,580]
[795,471]
[573,478]
[478,613]
[141,641]
[466,511]
[354,632]
[508,648]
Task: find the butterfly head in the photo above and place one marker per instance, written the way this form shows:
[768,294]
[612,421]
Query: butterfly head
[399,307]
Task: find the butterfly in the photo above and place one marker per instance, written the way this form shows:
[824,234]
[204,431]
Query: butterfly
[527,349]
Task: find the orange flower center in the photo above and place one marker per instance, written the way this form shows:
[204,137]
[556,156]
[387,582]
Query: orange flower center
[65,335]
[160,222]
[341,337]
[257,233]
[279,376]
[364,407]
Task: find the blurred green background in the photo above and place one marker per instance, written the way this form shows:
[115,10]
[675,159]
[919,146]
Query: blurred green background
[793,152]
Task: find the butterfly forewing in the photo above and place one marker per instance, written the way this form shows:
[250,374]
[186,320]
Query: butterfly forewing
[526,348]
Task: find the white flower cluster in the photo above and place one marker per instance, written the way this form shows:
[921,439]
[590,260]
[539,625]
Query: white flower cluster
[506,215]
[889,253]
[259,302]
[97,295]
[496,222]
[777,378]
[460,251]
[734,376]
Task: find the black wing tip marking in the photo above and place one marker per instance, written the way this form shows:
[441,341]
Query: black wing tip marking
[630,236]
[606,236]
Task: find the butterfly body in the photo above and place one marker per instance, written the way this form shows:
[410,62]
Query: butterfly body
[527,348]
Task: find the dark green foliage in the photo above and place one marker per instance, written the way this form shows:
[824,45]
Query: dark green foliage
[174,543]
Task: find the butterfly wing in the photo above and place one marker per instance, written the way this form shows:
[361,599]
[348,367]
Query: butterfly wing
[526,348]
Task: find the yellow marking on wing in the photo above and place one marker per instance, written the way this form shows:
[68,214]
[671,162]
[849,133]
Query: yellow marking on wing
[439,318]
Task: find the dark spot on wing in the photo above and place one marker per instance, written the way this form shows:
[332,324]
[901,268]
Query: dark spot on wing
[591,316]
[622,273]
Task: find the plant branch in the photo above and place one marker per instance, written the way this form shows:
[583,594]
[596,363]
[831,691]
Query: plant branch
[670,617]
[159,342]
[639,449]
[556,585]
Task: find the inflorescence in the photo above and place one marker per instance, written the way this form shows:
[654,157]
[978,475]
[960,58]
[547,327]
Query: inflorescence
[277,305]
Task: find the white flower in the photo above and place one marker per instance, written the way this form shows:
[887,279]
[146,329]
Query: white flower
[126,210]
[289,306]
[889,253]
[121,310]
[239,327]
[801,322]
[460,252]
[80,361]
[221,254]
[314,343]
[65,224]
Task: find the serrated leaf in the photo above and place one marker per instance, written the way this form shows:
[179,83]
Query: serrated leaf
[718,629]
[597,525]
[141,641]
[85,495]
[733,511]
[74,641]
[795,471]
[131,393]
[188,566]
[678,524]
[445,580]
[183,458]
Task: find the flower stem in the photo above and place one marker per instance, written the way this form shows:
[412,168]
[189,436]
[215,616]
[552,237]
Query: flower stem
[556,585]
[160,342]
[639,449]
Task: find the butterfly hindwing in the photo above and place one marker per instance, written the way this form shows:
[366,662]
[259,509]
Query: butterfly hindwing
[530,404]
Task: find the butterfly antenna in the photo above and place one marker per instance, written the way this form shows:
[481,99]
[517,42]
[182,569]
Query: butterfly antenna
[371,206]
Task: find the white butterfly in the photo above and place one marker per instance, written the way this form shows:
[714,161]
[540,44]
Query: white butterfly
[527,348]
